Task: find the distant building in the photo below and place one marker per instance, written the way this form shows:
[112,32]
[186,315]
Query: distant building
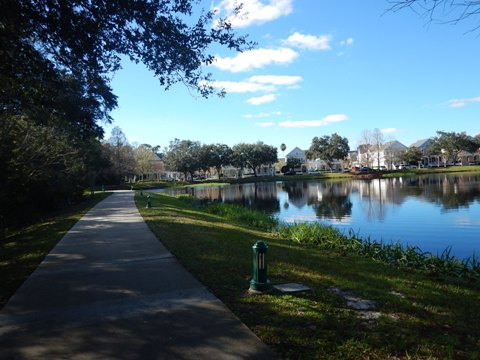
[296,153]
[388,156]
[428,159]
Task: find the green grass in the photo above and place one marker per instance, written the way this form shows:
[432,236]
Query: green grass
[22,250]
[435,170]
[421,316]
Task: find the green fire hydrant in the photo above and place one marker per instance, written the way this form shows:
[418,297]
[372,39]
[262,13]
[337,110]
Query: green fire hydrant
[259,281]
[149,202]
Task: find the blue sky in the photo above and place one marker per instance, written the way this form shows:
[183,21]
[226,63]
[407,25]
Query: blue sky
[320,67]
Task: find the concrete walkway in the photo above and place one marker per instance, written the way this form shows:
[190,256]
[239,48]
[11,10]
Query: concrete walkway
[111,290]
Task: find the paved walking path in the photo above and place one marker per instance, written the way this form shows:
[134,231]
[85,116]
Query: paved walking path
[111,290]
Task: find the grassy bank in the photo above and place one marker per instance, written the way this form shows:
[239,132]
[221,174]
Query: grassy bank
[22,250]
[434,170]
[412,314]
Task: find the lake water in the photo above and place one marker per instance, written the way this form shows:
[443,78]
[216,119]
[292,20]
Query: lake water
[432,212]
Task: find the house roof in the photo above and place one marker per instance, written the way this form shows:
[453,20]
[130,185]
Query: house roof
[296,152]
[421,144]
[393,145]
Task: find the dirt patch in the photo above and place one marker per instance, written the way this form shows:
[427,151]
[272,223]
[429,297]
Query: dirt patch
[364,308]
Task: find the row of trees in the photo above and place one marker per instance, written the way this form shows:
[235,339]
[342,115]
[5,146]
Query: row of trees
[189,156]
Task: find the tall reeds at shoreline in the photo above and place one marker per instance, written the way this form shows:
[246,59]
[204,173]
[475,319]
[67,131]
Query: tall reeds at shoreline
[394,253]
[328,237]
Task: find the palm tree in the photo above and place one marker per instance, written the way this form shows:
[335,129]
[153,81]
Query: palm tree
[283,147]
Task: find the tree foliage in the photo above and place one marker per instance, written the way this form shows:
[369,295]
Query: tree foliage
[56,62]
[450,144]
[252,156]
[328,148]
[183,156]
[413,155]
[215,155]
[89,38]
[144,158]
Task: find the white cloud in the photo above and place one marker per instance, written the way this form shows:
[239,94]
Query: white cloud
[276,79]
[314,123]
[462,102]
[347,42]
[310,42]
[240,86]
[254,11]
[262,99]
[255,59]
[265,124]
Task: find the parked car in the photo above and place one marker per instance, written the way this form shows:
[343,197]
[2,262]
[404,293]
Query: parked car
[406,166]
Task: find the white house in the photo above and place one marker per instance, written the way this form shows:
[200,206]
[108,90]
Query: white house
[296,153]
[387,156]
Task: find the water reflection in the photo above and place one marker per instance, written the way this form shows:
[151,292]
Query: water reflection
[333,199]
[328,199]
[432,211]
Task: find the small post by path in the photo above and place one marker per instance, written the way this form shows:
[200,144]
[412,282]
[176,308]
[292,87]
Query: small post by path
[149,202]
[260,282]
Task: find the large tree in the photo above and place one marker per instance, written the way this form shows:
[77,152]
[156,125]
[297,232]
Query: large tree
[412,156]
[144,160]
[215,155]
[252,156]
[89,38]
[450,144]
[329,148]
[378,142]
[365,147]
[183,156]
[121,155]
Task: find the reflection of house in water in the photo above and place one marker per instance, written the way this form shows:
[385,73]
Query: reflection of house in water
[297,193]
[379,195]
[450,191]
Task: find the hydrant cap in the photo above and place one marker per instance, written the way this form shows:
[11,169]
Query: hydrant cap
[260,246]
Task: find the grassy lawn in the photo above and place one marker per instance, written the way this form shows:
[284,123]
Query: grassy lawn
[414,316]
[22,250]
[434,170]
